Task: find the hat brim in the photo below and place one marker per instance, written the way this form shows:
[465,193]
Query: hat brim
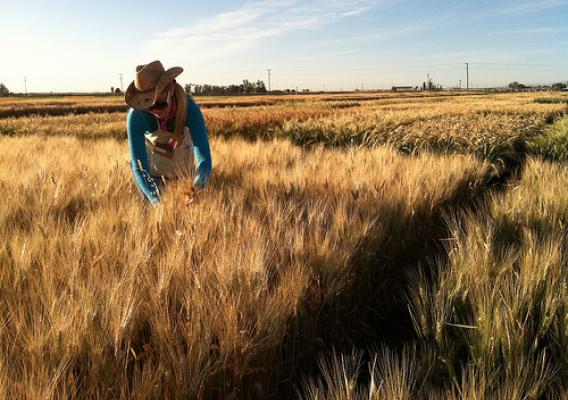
[144,100]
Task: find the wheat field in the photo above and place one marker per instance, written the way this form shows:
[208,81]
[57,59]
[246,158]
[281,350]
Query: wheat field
[384,247]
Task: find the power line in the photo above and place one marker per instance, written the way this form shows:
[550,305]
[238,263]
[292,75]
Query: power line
[243,71]
[370,68]
[341,69]
[432,67]
[521,64]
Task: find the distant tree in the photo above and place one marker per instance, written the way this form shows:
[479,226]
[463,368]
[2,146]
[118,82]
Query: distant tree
[4,90]
[260,87]
[117,91]
[248,86]
[516,85]
[112,89]
[558,86]
[234,89]
[187,88]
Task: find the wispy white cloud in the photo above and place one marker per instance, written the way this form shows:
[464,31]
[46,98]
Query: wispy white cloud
[356,46]
[477,56]
[528,31]
[237,31]
[532,6]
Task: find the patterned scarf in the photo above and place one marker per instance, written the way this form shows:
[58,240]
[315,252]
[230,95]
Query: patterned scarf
[171,114]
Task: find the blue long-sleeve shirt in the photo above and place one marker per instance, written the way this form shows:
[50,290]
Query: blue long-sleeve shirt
[138,122]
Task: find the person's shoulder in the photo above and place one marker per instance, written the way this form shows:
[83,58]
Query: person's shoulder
[191,101]
[193,109]
[137,115]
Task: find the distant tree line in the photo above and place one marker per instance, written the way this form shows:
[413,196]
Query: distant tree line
[519,86]
[247,87]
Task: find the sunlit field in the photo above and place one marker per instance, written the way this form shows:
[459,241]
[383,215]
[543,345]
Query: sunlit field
[59,105]
[383,246]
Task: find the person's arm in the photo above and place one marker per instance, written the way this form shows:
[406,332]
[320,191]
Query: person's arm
[138,122]
[200,139]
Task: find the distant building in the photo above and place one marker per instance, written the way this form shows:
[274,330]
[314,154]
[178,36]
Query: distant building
[402,88]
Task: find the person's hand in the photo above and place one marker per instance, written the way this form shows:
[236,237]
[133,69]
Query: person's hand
[193,195]
[191,199]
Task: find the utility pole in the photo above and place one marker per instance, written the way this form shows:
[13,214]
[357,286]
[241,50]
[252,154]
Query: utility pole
[361,86]
[121,88]
[467,75]
[460,84]
[268,70]
[25,86]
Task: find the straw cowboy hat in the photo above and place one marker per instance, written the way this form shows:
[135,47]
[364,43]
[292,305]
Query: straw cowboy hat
[150,80]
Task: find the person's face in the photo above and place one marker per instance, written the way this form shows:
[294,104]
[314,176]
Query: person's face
[161,107]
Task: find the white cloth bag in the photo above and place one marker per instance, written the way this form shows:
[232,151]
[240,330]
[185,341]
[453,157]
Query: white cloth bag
[166,161]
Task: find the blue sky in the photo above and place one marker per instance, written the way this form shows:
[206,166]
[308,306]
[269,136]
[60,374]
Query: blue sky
[83,46]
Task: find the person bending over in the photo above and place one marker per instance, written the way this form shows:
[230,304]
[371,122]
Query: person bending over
[166,132]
